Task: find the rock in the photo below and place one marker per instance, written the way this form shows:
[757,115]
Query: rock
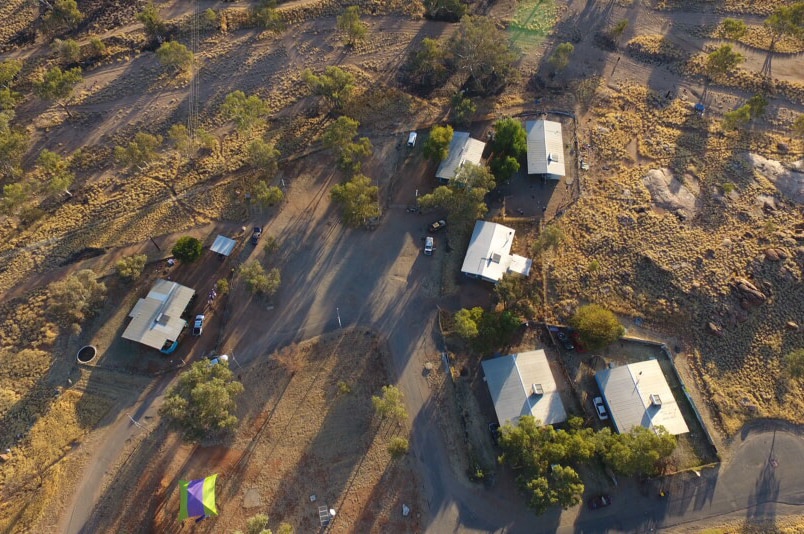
[670,193]
[791,325]
[787,177]
[749,292]
[782,147]
[772,255]
[714,329]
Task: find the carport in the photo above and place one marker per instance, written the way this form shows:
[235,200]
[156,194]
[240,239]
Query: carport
[223,245]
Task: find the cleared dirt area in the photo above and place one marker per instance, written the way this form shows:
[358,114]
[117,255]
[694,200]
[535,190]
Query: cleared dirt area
[309,428]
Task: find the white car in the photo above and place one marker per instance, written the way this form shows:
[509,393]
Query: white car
[198,325]
[429,245]
[600,408]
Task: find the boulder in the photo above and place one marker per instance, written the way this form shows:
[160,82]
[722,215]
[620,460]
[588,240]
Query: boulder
[670,193]
[714,329]
[787,177]
[791,325]
[749,292]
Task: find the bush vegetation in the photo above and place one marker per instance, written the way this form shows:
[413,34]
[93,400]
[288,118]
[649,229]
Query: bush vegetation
[131,267]
[258,280]
[596,326]
[187,249]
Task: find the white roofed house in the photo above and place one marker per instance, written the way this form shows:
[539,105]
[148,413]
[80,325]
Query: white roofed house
[545,149]
[638,394]
[523,384]
[489,254]
[156,320]
[462,149]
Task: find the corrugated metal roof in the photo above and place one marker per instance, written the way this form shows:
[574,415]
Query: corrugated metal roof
[223,245]
[488,256]
[545,148]
[628,389]
[462,149]
[510,380]
[157,318]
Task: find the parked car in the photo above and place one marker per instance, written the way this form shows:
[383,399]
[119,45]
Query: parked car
[198,325]
[429,245]
[598,501]
[494,430]
[565,340]
[600,408]
[436,226]
[256,234]
[412,139]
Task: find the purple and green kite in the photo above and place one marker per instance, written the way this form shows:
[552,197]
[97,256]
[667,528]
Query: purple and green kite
[197,498]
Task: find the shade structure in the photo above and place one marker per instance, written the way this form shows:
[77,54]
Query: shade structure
[223,245]
[197,497]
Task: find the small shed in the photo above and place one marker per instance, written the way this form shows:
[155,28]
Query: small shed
[223,245]
[545,148]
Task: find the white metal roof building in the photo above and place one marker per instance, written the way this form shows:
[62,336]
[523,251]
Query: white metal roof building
[462,149]
[523,384]
[545,148]
[489,254]
[638,394]
[223,245]
[156,319]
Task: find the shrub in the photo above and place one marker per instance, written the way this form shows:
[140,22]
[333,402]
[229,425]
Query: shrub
[76,297]
[794,363]
[222,286]
[131,267]
[390,405]
[398,447]
[187,249]
[174,55]
[436,147]
[140,151]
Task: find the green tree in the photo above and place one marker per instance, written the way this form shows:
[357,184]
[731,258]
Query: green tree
[509,289]
[794,363]
[9,69]
[426,67]
[637,452]
[538,492]
[349,23]
[97,47]
[390,405]
[510,138]
[266,15]
[463,109]
[551,237]
[76,297]
[14,196]
[436,147]
[58,85]
[733,28]
[561,57]
[495,330]
[210,18]
[180,137]
[155,26]
[267,195]
[464,196]
[54,169]
[334,84]
[466,321]
[596,326]
[737,118]
[259,280]
[264,156]
[449,10]
[786,20]
[398,447]
[358,199]
[757,105]
[503,168]
[131,267]
[202,403]
[140,151]
[63,12]
[247,112]
[722,62]
[187,249]
[175,56]
[483,52]
[284,528]
[566,488]
[340,138]
[13,145]
[69,50]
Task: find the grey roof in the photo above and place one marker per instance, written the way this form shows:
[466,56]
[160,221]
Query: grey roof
[628,390]
[489,254]
[545,148]
[462,149]
[157,318]
[511,381]
[223,245]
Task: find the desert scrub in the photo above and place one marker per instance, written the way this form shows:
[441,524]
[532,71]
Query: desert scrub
[654,49]
[739,7]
